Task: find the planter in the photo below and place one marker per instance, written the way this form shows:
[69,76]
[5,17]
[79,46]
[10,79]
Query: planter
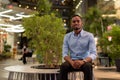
[46,67]
[117,63]
[50,75]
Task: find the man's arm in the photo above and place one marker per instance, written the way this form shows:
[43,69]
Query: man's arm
[87,59]
[73,63]
[66,50]
[68,59]
[92,48]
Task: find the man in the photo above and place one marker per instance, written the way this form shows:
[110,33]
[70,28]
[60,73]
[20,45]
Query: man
[79,50]
[25,53]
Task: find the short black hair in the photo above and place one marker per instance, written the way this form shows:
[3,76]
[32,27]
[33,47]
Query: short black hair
[77,14]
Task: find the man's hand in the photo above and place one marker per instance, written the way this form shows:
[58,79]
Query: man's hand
[76,64]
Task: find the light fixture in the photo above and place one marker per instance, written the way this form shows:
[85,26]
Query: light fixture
[35,8]
[109,38]
[78,4]
[64,20]
[63,2]
[12,28]
[106,0]
[57,9]
[65,24]
[27,7]
[19,5]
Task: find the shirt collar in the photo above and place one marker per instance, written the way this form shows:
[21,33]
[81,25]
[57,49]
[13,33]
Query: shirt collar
[80,34]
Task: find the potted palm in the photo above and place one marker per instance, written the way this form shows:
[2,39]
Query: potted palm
[110,42]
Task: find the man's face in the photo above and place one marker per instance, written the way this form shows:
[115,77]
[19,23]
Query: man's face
[76,23]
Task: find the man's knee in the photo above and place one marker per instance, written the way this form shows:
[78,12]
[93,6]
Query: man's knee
[87,65]
[64,65]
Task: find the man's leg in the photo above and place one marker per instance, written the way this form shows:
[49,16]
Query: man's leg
[88,71]
[64,69]
[24,59]
[21,58]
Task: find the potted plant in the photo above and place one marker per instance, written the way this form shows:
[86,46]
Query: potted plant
[45,31]
[110,43]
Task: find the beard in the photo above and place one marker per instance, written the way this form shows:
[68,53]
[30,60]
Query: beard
[76,28]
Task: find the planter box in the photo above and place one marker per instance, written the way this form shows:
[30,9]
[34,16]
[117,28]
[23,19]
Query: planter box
[117,63]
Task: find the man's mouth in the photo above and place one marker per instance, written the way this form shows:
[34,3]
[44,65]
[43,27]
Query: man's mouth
[76,28]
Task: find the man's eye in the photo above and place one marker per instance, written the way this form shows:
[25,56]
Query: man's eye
[76,21]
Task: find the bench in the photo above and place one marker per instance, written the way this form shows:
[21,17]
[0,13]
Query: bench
[31,59]
[76,76]
[27,73]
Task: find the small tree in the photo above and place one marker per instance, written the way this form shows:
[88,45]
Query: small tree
[46,33]
[43,7]
[112,47]
[93,21]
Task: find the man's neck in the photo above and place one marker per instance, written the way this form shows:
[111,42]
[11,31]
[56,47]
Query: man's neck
[77,32]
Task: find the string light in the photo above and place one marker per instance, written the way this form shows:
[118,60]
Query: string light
[78,4]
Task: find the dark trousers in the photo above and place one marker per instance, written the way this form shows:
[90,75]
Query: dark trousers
[26,55]
[86,69]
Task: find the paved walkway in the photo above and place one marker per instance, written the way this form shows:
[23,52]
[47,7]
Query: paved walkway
[100,73]
[106,73]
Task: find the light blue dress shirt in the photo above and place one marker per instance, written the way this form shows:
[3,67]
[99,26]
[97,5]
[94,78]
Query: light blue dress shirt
[80,46]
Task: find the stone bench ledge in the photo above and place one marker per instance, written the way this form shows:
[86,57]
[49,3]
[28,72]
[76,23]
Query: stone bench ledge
[28,69]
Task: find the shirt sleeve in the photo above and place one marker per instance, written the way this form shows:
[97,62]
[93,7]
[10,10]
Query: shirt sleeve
[92,48]
[65,46]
